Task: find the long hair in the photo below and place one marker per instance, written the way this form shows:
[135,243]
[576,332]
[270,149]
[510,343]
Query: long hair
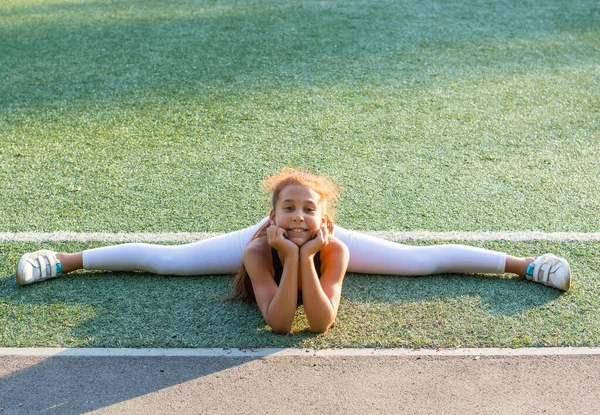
[328,192]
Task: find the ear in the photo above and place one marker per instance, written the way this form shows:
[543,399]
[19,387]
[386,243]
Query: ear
[272,215]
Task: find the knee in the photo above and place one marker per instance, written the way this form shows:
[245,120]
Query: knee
[440,259]
[430,260]
[425,265]
[161,262]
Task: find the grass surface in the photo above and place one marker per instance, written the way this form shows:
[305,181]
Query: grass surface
[98,309]
[131,116]
[146,115]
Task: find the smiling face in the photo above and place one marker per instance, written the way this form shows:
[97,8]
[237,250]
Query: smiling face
[299,211]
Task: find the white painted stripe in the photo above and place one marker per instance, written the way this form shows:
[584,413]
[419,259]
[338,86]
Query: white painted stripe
[257,353]
[185,237]
[488,236]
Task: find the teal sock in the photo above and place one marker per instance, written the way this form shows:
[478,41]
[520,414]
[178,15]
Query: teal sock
[529,272]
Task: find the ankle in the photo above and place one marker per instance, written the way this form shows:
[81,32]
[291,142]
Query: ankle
[70,262]
[517,266]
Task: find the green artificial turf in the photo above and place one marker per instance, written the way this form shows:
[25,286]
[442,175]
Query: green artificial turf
[153,116]
[97,309]
[164,116]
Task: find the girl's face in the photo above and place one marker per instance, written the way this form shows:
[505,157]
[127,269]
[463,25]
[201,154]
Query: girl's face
[299,212]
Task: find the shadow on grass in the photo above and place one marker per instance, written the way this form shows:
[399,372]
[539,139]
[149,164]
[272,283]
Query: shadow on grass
[95,309]
[91,50]
[498,295]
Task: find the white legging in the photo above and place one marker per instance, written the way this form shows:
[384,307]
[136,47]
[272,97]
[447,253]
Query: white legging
[223,255]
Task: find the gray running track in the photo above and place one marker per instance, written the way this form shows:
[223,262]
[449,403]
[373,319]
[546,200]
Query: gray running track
[300,384]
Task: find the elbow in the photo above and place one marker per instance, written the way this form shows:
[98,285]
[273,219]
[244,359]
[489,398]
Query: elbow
[281,328]
[319,328]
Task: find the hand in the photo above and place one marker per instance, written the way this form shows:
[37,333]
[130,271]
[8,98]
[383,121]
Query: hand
[319,240]
[277,238]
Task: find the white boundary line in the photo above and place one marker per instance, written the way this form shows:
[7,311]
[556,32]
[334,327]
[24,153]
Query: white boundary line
[185,237]
[291,352]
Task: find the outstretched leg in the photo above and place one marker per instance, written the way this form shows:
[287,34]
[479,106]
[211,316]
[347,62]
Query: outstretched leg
[371,255]
[219,255]
[223,255]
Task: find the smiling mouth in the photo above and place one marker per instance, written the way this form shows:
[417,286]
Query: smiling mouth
[296,230]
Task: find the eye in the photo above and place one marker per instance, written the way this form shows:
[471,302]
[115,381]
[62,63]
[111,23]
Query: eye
[288,208]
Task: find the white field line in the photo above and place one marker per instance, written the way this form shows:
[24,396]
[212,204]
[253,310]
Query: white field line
[185,237]
[272,352]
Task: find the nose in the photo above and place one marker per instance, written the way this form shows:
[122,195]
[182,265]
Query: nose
[298,218]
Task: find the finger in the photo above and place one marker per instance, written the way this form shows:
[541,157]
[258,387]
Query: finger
[280,234]
[318,238]
[325,239]
[272,235]
[315,234]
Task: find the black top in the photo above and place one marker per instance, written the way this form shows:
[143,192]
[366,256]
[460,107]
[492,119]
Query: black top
[278,267]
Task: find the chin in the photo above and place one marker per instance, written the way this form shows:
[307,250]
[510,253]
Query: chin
[299,242]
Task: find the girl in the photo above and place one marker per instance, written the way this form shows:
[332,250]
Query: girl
[295,254]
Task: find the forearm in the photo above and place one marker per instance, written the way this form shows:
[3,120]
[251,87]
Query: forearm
[282,309]
[318,308]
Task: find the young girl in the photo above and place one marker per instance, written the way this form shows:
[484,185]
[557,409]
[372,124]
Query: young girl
[295,254]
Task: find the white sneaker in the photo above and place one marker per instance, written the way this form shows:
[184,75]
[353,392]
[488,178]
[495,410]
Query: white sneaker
[550,270]
[38,266]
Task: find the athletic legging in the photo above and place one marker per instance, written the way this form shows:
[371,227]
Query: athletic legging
[223,255]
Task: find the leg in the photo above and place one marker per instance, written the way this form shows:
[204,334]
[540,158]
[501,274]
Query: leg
[372,255]
[218,255]
[73,262]
[515,265]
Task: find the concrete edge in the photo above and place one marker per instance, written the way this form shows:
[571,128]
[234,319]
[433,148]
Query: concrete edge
[278,352]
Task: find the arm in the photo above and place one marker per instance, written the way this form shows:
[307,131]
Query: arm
[277,303]
[322,297]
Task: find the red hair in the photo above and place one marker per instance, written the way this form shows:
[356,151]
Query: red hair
[328,192]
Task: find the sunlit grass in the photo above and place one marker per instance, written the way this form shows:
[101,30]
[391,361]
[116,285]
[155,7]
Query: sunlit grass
[155,116]
[95,309]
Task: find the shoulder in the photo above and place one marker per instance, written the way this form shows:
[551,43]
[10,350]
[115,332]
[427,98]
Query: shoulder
[257,251]
[335,250]
[258,246]
[334,263]
[335,247]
